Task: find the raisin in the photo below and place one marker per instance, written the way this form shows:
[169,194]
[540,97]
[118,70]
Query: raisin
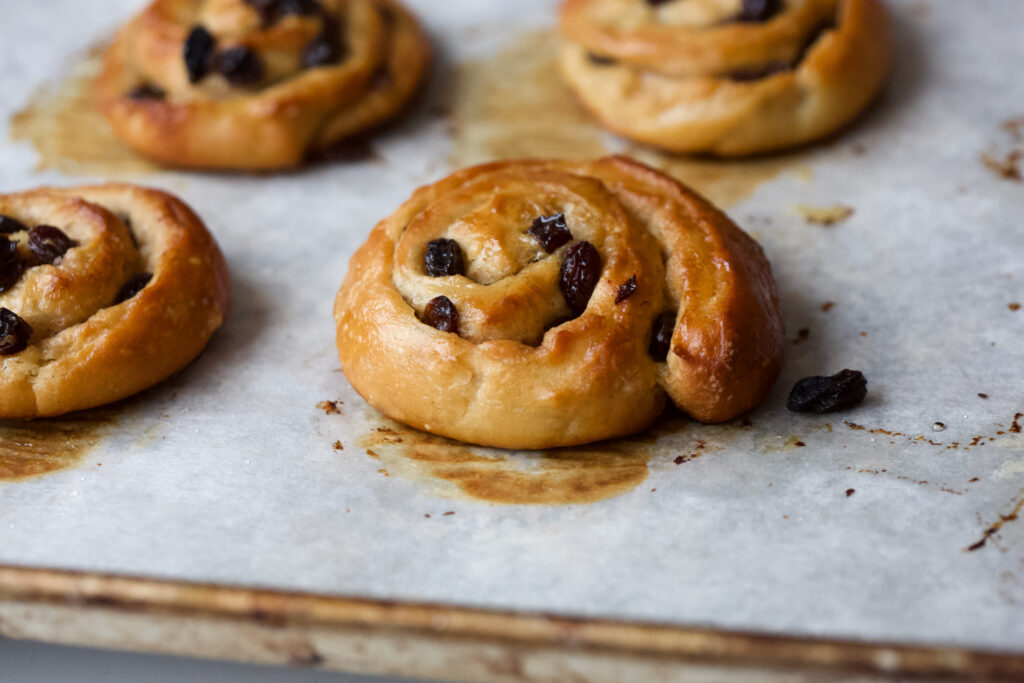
[661,335]
[551,231]
[198,53]
[11,264]
[841,391]
[325,49]
[600,60]
[626,289]
[759,10]
[444,257]
[441,313]
[581,270]
[240,65]
[14,332]
[135,284]
[146,92]
[9,225]
[48,243]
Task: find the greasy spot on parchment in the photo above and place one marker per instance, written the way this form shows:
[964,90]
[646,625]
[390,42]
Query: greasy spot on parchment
[563,476]
[825,215]
[776,443]
[33,448]
[514,105]
[67,130]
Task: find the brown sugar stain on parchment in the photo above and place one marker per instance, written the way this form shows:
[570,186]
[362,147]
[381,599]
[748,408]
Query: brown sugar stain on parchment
[514,105]
[68,132]
[563,476]
[33,448]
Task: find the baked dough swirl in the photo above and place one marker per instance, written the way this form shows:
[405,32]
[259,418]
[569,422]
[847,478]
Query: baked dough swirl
[725,77]
[535,304]
[258,84]
[104,291]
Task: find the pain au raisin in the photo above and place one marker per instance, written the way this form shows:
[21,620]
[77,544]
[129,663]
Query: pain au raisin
[842,391]
[444,257]
[580,273]
[198,53]
[661,335]
[759,10]
[14,332]
[551,231]
[48,243]
[441,313]
[135,284]
[11,263]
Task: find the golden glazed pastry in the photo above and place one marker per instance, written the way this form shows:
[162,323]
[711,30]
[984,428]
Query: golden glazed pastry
[725,77]
[534,304]
[104,291]
[258,84]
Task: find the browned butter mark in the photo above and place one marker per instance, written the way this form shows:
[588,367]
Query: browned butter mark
[824,215]
[33,448]
[69,133]
[1006,162]
[563,476]
[514,105]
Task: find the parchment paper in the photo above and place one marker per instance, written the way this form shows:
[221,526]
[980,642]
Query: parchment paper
[227,473]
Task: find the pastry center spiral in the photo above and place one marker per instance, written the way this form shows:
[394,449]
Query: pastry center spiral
[509,285]
[64,260]
[209,50]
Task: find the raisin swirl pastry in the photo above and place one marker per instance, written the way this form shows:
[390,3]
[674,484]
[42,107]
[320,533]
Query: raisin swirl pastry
[258,84]
[535,304]
[104,291]
[725,77]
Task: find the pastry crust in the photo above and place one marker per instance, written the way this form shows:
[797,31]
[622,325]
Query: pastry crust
[290,112]
[87,349]
[517,374]
[709,84]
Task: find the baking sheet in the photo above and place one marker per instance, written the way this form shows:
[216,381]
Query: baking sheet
[230,472]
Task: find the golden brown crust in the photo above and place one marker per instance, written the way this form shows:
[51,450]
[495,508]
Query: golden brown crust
[517,375]
[707,84]
[277,121]
[86,349]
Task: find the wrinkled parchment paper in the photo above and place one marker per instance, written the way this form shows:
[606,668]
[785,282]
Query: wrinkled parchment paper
[228,472]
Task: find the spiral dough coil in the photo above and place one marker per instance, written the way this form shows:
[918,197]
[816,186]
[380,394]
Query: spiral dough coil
[104,291]
[725,77]
[258,84]
[534,304]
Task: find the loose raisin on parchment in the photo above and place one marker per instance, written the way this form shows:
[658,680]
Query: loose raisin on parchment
[842,391]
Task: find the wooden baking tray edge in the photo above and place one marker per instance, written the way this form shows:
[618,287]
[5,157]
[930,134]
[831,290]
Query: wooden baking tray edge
[408,639]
